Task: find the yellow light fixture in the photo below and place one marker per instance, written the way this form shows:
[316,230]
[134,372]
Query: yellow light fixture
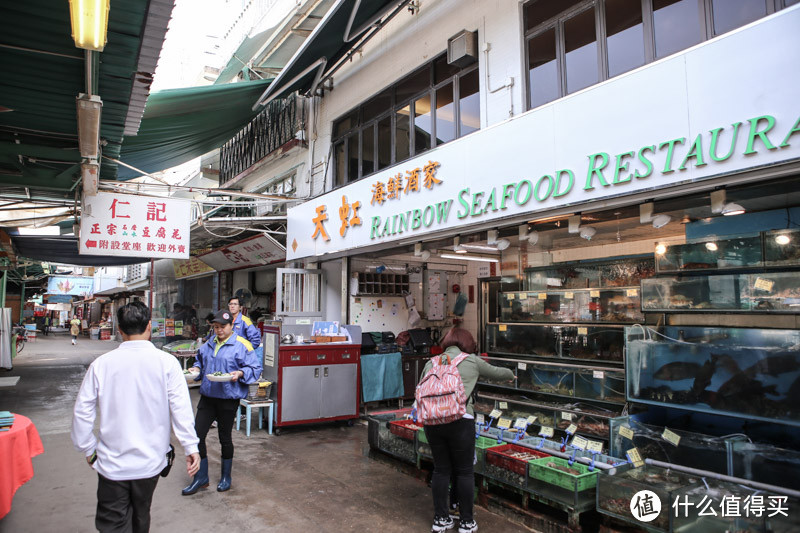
[661,249]
[89,23]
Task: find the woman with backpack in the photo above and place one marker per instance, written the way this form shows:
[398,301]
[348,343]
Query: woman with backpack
[444,407]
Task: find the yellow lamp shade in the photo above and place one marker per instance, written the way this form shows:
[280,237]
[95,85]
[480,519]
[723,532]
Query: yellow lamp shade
[89,23]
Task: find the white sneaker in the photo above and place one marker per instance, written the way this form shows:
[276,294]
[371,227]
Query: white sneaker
[442,524]
[468,527]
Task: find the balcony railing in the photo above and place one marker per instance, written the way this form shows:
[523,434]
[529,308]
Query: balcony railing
[273,127]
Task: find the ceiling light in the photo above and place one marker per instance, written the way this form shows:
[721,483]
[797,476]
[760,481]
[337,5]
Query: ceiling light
[89,108]
[89,20]
[659,221]
[470,258]
[711,246]
[502,244]
[661,249]
[533,238]
[588,232]
[420,252]
[782,239]
[731,209]
[425,255]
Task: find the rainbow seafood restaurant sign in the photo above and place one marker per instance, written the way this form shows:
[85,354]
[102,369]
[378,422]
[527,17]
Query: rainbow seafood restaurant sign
[669,123]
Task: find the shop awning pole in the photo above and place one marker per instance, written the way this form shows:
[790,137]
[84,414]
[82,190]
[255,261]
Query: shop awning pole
[723,477]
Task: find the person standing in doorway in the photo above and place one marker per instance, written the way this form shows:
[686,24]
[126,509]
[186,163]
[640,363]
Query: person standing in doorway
[242,325]
[139,392]
[232,357]
[74,329]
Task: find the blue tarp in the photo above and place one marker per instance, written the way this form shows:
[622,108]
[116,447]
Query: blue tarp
[381,376]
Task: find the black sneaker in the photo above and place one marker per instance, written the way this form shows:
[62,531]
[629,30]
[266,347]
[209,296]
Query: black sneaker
[468,527]
[455,512]
[442,524]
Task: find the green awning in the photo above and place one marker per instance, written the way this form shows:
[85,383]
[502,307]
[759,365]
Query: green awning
[333,37]
[181,124]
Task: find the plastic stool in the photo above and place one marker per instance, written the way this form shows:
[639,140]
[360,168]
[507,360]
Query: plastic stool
[248,406]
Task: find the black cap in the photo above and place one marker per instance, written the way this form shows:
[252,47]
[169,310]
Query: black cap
[222,317]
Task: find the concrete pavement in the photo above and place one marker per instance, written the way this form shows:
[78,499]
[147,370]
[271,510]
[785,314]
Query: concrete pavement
[315,478]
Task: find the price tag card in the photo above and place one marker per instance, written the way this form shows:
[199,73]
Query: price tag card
[626,432]
[523,296]
[566,416]
[583,331]
[594,446]
[511,296]
[632,292]
[568,296]
[572,429]
[579,442]
[598,374]
[521,424]
[480,419]
[543,296]
[671,437]
[522,366]
[764,284]
[531,420]
[546,432]
[496,413]
[594,294]
[634,457]
[502,327]
[503,405]
[504,423]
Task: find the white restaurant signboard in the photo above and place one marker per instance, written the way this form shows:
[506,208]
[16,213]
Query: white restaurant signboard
[135,226]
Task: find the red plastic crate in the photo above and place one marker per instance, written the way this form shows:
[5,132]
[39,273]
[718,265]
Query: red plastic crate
[401,428]
[501,456]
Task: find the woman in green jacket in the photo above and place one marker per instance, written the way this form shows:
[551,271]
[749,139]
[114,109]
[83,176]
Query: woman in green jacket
[453,444]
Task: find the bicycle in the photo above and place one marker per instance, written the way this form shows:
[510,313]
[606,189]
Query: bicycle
[21,337]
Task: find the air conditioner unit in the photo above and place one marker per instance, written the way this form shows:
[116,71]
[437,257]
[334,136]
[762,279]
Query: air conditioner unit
[462,48]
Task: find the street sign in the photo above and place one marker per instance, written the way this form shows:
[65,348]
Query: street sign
[135,226]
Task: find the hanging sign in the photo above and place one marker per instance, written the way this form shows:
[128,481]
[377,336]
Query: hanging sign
[187,268]
[72,285]
[135,226]
[255,251]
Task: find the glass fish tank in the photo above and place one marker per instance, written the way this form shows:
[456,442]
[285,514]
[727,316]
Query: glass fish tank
[695,450]
[716,253]
[592,343]
[601,384]
[610,305]
[380,438]
[615,493]
[774,292]
[765,463]
[744,372]
[546,378]
[782,248]
[583,275]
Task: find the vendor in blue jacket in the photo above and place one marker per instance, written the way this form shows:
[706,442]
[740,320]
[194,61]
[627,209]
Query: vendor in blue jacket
[242,325]
[232,356]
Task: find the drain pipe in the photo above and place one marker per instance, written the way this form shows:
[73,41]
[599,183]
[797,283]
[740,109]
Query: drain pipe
[722,477]
[611,469]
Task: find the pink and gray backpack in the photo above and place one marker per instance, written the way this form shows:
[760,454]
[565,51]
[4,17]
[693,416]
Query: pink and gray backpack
[440,395]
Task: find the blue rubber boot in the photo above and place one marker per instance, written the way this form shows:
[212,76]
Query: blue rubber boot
[200,479]
[225,480]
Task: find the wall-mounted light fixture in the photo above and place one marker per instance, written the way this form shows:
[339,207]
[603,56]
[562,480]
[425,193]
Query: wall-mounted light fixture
[587,232]
[732,208]
[532,237]
[89,109]
[470,257]
[89,20]
[659,221]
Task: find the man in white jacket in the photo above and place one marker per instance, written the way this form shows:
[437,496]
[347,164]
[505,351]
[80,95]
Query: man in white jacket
[139,392]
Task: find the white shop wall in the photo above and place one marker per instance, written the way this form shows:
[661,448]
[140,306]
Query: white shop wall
[410,41]
[264,282]
[390,313]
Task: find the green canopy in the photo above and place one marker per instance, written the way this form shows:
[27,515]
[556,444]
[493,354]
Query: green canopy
[181,124]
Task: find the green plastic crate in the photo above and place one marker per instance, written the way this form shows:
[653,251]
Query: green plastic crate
[422,437]
[481,445]
[538,469]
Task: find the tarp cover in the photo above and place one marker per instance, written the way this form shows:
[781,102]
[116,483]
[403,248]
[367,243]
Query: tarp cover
[181,124]
[381,376]
[65,250]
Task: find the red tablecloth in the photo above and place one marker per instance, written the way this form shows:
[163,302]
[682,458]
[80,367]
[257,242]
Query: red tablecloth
[17,447]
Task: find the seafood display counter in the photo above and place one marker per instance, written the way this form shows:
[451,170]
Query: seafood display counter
[617,304]
[743,372]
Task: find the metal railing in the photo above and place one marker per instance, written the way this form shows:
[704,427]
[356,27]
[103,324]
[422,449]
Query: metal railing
[273,127]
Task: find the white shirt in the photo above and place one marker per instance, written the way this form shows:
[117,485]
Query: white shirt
[138,390]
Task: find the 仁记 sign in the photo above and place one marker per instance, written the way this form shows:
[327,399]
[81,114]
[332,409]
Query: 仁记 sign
[136,226]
